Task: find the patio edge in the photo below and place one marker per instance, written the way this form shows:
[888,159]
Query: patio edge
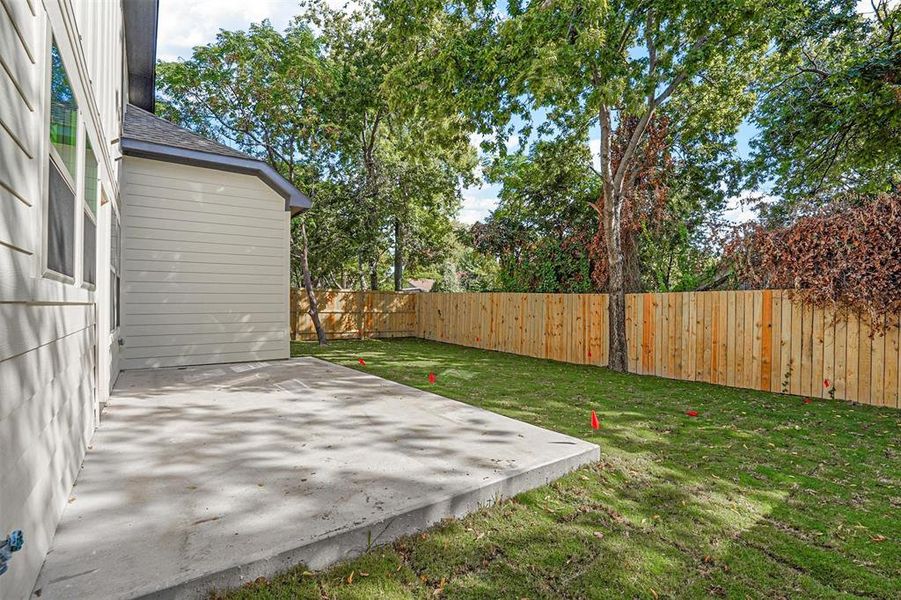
[354,542]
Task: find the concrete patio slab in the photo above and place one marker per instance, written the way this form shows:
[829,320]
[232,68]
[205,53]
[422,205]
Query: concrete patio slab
[203,478]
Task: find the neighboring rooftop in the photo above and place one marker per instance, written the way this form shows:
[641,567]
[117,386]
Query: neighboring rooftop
[419,285]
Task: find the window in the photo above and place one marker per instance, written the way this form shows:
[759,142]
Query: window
[115,269]
[89,232]
[60,224]
[62,171]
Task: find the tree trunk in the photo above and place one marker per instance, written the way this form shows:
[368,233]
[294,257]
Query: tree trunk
[631,262]
[615,282]
[612,219]
[374,276]
[308,285]
[361,274]
[398,256]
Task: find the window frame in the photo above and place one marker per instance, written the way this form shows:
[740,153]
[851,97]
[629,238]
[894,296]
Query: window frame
[52,159]
[115,289]
[86,211]
[56,161]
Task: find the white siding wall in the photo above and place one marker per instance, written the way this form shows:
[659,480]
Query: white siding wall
[48,333]
[206,267]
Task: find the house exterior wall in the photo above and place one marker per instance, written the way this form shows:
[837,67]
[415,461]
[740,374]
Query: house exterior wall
[205,267]
[49,345]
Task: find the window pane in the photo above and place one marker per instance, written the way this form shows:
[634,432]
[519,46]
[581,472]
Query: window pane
[114,252]
[89,257]
[118,311]
[90,178]
[63,112]
[113,301]
[60,225]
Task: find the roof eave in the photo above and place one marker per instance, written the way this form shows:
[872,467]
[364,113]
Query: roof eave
[141,19]
[295,200]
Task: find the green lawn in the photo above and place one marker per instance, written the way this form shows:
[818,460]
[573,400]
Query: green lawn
[760,496]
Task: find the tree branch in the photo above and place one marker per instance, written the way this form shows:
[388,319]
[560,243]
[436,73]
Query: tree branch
[653,103]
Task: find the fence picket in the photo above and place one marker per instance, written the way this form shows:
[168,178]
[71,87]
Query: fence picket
[764,340]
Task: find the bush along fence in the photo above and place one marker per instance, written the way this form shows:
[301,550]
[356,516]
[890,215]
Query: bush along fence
[760,339]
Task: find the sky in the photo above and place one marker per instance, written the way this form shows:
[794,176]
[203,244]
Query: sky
[184,24]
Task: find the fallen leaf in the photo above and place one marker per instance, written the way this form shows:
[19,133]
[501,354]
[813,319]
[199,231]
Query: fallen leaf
[350,578]
[361,361]
[599,535]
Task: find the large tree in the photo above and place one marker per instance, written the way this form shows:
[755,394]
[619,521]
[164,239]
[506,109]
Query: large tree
[312,102]
[410,170]
[830,112]
[264,92]
[594,65]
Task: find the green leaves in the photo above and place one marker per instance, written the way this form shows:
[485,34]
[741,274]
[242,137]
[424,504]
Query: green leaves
[325,104]
[830,113]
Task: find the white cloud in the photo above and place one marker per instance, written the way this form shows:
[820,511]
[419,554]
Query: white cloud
[478,202]
[184,24]
[740,209]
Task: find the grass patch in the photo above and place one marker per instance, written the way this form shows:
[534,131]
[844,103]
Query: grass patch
[761,496]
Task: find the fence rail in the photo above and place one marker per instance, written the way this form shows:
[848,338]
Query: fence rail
[758,339]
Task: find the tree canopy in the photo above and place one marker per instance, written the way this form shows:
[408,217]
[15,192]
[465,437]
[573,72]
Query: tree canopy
[609,127]
[830,112]
[311,101]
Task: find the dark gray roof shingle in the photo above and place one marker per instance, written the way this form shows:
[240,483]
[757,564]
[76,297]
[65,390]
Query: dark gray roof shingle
[146,127]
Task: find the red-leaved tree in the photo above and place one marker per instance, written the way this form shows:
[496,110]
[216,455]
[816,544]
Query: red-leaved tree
[847,257]
[645,193]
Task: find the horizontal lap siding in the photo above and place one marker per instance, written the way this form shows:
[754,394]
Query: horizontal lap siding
[47,349]
[48,345]
[47,366]
[205,267]
[20,167]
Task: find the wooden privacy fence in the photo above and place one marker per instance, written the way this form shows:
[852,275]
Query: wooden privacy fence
[565,327]
[749,339]
[347,315]
[762,340]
